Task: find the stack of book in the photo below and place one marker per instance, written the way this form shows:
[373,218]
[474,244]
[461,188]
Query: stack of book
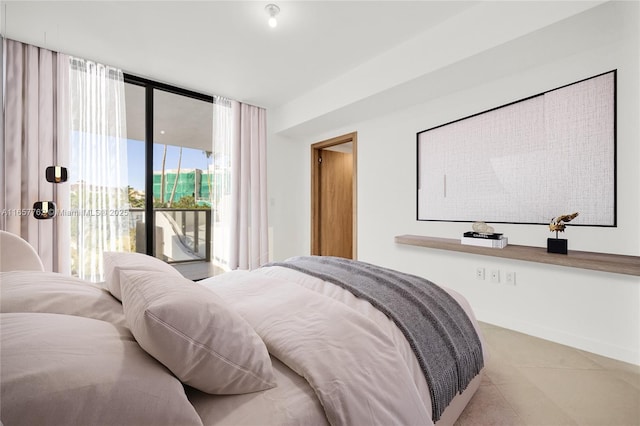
[484,239]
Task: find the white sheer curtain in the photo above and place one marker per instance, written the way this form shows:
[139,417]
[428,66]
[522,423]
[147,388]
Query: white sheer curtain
[98,166]
[239,148]
[35,112]
[226,126]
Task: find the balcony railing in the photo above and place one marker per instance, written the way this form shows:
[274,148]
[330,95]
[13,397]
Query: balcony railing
[181,235]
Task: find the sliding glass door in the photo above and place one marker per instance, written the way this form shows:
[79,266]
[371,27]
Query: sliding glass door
[181,183]
[171,170]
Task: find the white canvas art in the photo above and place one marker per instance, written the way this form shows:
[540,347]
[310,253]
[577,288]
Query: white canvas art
[525,162]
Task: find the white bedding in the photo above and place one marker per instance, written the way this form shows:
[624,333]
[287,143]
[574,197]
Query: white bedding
[292,402]
[336,358]
[291,299]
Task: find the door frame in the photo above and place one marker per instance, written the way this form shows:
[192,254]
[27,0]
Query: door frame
[315,189]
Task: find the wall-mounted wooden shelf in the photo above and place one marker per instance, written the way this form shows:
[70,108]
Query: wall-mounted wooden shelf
[619,264]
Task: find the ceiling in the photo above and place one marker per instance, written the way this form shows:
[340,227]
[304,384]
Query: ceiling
[177,120]
[328,64]
[226,47]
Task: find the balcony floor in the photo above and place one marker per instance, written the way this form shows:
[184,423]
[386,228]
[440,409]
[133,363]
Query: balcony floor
[198,270]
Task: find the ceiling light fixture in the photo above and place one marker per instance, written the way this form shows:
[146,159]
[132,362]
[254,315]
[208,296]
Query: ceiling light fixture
[273,11]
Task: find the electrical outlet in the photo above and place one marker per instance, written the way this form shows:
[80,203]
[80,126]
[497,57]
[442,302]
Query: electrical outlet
[510,278]
[480,273]
[495,275]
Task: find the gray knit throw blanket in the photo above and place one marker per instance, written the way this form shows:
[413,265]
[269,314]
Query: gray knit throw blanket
[440,333]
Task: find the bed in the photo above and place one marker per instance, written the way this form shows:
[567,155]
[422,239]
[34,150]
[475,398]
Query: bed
[286,344]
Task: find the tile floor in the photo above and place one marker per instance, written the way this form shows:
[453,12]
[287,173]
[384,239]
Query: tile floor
[530,381]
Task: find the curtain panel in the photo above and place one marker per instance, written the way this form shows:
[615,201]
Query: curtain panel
[239,147]
[251,246]
[35,137]
[98,166]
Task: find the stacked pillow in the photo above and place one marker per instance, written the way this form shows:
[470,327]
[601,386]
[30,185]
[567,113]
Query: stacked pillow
[63,369]
[53,293]
[71,354]
[114,262]
[187,327]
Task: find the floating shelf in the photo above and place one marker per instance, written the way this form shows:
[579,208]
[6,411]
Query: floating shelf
[619,264]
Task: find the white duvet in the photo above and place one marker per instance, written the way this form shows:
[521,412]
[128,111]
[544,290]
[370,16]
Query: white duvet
[357,361]
[336,358]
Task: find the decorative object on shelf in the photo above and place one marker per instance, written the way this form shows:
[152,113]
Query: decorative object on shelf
[56,174]
[501,242]
[44,209]
[482,227]
[483,235]
[557,224]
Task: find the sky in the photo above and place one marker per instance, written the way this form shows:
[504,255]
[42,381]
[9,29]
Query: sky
[191,159]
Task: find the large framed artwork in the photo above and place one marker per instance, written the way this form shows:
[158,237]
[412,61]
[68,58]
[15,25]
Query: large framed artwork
[527,161]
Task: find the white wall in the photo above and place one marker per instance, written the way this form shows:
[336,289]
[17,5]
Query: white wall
[595,311]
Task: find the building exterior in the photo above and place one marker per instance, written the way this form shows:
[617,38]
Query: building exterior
[188,184]
[205,186]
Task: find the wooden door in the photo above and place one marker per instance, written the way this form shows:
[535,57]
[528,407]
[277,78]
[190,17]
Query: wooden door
[333,198]
[336,200]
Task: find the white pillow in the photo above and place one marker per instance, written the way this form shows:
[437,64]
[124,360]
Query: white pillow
[69,370]
[35,291]
[192,332]
[114,262]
